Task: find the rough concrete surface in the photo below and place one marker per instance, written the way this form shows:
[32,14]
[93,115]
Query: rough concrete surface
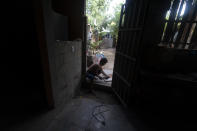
[65,70]
[95,111]
[79,117]
[65,64]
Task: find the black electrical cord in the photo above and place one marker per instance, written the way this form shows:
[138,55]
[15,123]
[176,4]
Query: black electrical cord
[98,113]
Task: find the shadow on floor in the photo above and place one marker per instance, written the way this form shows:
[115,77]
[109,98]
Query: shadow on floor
[97,111]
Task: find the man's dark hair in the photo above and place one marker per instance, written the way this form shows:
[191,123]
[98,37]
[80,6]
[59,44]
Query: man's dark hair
[103,61]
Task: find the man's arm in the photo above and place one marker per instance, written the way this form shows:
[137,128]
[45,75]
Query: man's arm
[100,77]
[106,76]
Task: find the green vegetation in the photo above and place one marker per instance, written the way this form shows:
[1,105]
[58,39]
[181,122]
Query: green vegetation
[96,11]
[95,45]
[100,19]
[114,21]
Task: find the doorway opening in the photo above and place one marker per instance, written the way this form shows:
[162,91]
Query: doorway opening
[103,18]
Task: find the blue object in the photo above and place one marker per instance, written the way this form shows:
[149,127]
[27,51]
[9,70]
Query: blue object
[100,56]
[90,76]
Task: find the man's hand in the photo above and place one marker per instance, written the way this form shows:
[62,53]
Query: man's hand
[106,77]
[100,77]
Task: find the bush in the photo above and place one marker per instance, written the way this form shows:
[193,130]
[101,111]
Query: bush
[95,45]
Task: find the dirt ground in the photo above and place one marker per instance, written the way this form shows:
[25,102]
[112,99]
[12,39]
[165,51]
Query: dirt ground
[110,55]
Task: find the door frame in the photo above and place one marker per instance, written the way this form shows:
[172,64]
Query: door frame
[39,21]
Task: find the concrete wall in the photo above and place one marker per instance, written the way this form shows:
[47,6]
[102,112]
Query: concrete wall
[66,70]
[75,10]
[77,21]
[71,8]
[64,57]
[21,67]
[22,72]
[107,43]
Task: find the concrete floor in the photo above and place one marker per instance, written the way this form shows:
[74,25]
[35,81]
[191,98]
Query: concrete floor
[97,111]
[78,116]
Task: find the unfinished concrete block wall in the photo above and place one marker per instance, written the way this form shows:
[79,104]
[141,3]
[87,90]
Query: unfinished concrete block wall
[75,10]
[64,57]
[66,70]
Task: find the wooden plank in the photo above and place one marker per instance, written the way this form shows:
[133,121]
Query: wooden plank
[121,15]
[189,25]
[192,27]
[182,21]
[126,56]
[173,10]
[131,29]
[133,6]
[122,78]
[125,46]
[129,43]
[182,27]
[121,100]
[120,33]
[175,27]
[84,43]
[133,44]
[126,16]
[38,10]
[139,12]
[130,15]
[194,39]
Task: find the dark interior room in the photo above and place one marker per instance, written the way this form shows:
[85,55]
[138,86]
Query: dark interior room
[44,84]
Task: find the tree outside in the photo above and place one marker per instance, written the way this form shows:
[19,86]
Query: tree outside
[103,18]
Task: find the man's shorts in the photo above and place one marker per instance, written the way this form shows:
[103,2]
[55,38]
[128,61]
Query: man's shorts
[90,76]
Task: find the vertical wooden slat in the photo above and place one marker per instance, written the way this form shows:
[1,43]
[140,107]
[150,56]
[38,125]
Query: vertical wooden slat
[144,7]
[128,42]
[120,23]
[139,13]
[134,23]
[191,25]
[127,26]
[84,43]
[136,47]
[120,40]
[189,13]
[133,42]
[194,36]
[171,19]
[130,14]
[194,39]
[38,10]
[133,7]
[126,16]
[182,26]
[175,28]
[188,25]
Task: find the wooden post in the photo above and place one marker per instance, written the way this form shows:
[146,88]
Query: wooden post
[43,52]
